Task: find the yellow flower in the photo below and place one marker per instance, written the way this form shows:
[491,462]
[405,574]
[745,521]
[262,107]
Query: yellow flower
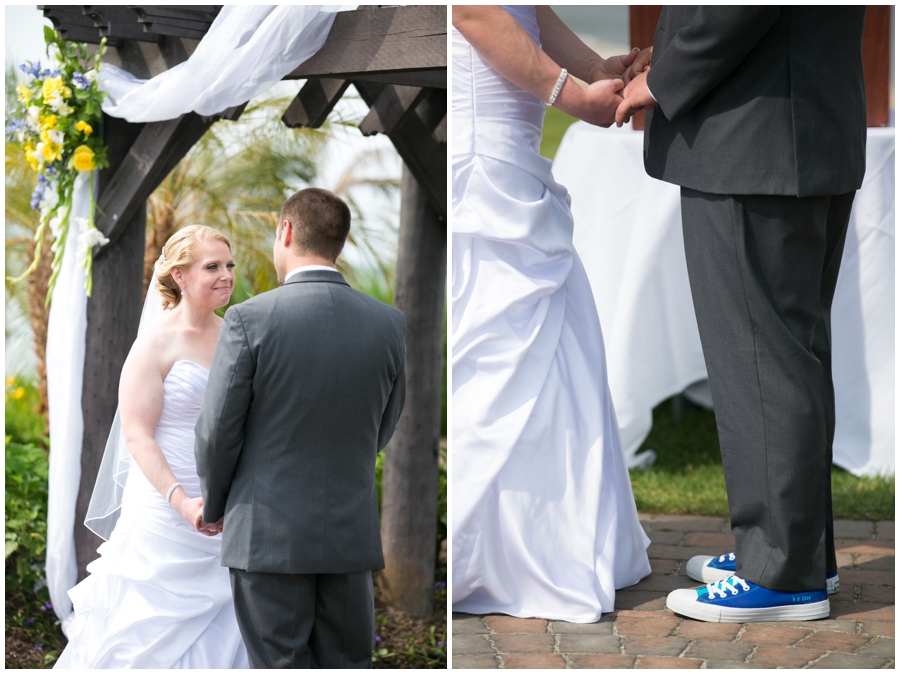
[18,394]
[51,86]
[10,381]
[83,159]
[66,92]
[32,159]
[85,127]
[49,122]
[24,92]
[51,151]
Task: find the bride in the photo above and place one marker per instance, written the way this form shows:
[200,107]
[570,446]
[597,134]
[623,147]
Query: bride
[544,521]
[158,597]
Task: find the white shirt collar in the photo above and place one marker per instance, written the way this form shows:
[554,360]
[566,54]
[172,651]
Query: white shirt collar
[310,267]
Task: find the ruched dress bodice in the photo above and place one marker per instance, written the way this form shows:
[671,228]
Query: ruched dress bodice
[491,115]
[158,596]
[544,522]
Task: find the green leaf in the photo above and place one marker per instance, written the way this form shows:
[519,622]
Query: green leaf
[49,35]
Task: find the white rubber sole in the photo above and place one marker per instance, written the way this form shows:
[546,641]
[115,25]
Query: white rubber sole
[684,602]
[696,568]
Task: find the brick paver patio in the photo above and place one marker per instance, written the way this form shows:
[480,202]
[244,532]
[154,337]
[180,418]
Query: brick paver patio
[643,634]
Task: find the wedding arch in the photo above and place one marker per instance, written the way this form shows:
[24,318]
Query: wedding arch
[396,58]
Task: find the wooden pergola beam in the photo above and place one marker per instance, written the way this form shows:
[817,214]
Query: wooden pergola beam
[413,137]
[315,101]
[119,23]
[381,40]
[155,152]
[392,106]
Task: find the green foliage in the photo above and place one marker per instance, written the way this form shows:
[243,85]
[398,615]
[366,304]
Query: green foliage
[23,424]
[687,477]
[555,124]
[26,514]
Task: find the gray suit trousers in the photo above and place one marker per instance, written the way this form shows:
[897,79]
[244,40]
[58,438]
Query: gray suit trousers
[305,621]
[763,270]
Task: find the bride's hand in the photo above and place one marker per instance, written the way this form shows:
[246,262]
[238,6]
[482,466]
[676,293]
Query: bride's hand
[211,529]
[191,509]
[596,104]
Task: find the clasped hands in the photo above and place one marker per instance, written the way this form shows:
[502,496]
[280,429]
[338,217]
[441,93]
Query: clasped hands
[191,509]
[618,89]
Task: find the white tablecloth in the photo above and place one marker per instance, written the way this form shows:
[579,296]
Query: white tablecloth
[628,234]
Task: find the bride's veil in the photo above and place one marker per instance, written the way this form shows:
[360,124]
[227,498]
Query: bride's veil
[106,501]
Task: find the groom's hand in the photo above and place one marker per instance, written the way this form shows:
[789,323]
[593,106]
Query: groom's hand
[637,97]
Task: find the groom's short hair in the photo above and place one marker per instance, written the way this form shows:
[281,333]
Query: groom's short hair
[320,220]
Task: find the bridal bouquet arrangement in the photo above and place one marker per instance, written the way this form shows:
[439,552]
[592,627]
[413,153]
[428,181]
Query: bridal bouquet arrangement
[57,122]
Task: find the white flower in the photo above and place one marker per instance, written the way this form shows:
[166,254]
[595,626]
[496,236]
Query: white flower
[34,118]
[39,153]
[54,55]
[55,226]
[20,135]
[56,135]
[56,101]
[87,239]
[91,75]
[64,110]
[50,200]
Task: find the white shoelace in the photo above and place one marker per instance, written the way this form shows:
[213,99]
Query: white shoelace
[730,556]
[717,589]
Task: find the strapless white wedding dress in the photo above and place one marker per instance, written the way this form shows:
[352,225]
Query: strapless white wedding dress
[158,597]
[544,522]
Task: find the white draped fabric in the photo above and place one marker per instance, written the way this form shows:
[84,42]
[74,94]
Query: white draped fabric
[246,50]
[65,372]
[628,234]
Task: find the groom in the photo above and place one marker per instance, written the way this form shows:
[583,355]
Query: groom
[761,119]
[306,387]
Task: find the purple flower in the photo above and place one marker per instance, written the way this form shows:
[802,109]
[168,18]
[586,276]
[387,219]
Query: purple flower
[377,640]
[29,69]
[47,607]
[440,643]
[80,81]
[38,647]
[29,622]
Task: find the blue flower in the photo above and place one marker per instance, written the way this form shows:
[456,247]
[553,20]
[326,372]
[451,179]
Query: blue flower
[80,81]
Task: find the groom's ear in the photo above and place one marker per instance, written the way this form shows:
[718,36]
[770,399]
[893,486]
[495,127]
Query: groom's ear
[287,231]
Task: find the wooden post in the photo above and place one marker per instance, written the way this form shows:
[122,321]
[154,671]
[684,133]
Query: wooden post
[642,20]
[113,315]
[410,480]
[876,52]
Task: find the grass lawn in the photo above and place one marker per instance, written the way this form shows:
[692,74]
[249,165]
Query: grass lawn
[687,477]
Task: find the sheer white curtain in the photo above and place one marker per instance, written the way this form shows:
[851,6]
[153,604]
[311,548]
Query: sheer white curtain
[247,50]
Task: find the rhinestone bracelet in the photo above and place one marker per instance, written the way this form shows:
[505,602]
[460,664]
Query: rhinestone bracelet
[171,489]
[559,85]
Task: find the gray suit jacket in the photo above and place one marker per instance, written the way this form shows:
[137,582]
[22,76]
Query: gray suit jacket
[758,100]
[306,387]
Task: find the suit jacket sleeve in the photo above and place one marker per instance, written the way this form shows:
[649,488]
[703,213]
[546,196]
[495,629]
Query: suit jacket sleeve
[220,426]
[704,52]
[394,406]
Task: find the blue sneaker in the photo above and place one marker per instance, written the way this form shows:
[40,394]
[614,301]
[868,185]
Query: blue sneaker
[735,600]
[706,569]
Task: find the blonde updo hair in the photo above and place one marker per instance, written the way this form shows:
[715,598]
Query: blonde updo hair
[181,250]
